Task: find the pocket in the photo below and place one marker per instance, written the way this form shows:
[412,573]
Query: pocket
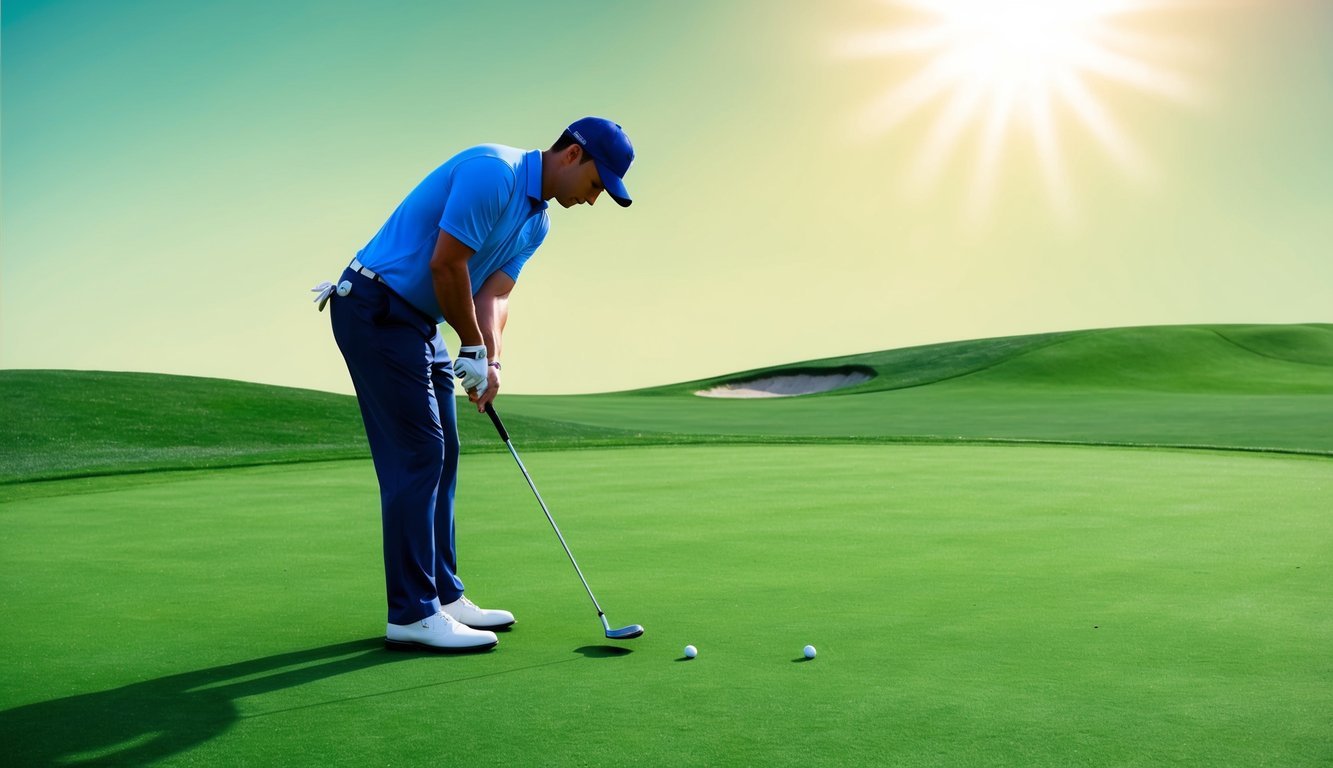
[398,312]
[366,302]
[379,305]
[363,308]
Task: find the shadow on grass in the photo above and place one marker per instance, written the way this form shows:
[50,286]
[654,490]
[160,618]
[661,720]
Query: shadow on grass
[603,651]
[143,722]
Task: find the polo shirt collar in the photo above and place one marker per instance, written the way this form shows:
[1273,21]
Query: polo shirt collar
[532,162]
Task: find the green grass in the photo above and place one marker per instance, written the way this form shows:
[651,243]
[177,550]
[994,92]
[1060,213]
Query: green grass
[972,606]
[81,423]
[989,582]
[1189,358]
[1164,386]
[1240,387]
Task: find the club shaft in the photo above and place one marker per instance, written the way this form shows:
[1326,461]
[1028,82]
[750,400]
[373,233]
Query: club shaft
[551,520]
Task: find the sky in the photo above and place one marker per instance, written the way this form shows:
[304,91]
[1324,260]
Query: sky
[813,177]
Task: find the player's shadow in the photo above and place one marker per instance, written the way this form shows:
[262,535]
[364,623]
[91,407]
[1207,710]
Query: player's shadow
[148,721]
[603,651]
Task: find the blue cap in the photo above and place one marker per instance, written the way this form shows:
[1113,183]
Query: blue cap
[610,149]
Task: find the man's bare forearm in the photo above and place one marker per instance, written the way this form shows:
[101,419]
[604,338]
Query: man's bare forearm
[492,311]
[453,289]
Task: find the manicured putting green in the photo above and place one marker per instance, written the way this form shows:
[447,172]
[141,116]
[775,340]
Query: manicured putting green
[971,605]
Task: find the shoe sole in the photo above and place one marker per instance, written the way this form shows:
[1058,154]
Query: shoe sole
[489,627]
[414,647]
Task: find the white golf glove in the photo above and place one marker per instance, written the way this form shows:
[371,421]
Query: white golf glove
[327,289]
[470,368]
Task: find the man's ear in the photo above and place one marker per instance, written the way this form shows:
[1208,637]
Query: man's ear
[573,154]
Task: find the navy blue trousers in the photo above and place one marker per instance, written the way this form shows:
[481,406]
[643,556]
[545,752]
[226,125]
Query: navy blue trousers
[405,386]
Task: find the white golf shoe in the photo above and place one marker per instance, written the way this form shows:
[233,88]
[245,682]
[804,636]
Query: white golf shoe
[437,634]
[467,612]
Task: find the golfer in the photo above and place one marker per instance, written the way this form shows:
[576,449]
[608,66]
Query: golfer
[451,252]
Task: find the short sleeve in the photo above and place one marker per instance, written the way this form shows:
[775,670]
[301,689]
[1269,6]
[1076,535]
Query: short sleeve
[540,227]
[479,190]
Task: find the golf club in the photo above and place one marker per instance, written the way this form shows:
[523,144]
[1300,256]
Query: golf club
[620,633]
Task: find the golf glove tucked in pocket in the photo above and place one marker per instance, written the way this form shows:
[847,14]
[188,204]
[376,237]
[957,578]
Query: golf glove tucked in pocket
[327,289]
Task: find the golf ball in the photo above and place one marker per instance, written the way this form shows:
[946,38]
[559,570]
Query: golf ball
[809,651]
[691,651]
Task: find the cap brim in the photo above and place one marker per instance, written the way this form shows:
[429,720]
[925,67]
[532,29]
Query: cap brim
[613,184]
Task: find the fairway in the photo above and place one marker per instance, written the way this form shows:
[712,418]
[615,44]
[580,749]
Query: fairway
[972,605]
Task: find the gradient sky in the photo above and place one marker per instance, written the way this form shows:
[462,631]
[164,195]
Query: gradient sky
[176,175]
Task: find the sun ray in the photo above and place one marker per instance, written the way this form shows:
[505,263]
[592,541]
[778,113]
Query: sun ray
[1013,67]
[1144,77]
[913,40]
[900,103]
[946,134]
[997,124]
[1100,125]
[1048,154]
[1141,46]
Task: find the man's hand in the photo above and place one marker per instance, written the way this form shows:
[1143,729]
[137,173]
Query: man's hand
[485,395]
[470,368]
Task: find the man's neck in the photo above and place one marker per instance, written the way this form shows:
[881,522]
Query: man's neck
[548,164]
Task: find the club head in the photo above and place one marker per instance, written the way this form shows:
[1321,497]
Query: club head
[624,633]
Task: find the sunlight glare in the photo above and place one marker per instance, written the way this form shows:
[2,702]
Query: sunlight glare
[1011,66]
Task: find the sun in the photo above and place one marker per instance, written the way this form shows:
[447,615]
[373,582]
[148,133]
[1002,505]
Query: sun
[996,68]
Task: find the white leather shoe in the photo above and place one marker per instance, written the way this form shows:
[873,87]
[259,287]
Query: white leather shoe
[467,612]
[437,634]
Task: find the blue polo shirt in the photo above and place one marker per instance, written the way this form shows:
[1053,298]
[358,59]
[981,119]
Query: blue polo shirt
[489,197]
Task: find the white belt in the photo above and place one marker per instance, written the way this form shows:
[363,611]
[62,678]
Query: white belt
[357,266]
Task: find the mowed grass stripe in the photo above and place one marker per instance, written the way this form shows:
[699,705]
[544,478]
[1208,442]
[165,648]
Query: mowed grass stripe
[972,605]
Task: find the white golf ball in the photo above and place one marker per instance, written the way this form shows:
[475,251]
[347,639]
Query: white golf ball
[691,651]
[809,651]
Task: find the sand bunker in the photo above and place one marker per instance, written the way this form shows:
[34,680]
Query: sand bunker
[788,385]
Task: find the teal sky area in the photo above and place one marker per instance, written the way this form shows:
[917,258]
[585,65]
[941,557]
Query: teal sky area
[177,175]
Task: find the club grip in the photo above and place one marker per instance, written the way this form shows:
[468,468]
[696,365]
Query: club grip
[499,425]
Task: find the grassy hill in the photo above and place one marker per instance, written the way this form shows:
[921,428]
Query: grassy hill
[74,423]
[1239,387]
[1253,387]
[1190,358]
